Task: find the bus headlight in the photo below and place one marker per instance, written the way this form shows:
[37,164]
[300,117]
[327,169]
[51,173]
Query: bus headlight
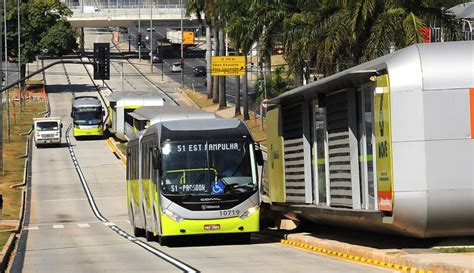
[173,216]
[249,212]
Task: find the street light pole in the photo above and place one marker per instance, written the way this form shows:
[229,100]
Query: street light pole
[182,47]
[151,36]
[139,32]
[6,69]
[19,55]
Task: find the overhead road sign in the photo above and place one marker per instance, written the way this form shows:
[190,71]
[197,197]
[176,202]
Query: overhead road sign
[228,66]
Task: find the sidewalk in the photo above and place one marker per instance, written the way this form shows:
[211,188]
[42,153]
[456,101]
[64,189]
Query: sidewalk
[407,260]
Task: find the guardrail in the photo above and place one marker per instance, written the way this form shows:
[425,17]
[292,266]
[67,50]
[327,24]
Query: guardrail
[122,6]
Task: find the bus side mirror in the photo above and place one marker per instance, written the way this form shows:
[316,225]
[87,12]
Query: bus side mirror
[155,154]
[258,155]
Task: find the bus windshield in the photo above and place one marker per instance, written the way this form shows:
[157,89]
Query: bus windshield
[47,126]
[87,116]
[207,167]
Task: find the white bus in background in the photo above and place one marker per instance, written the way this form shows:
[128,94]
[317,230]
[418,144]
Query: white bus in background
[47,131]
[121,124]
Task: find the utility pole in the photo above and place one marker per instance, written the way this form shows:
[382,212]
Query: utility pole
[19,57]
[139,34]
[6,69]
[1,106]
[151,36]
[222,93]
[182,46]
[208,61]
[215,79]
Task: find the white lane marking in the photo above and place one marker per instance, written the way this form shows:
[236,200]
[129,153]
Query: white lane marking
[58,226]
[128,222]
[30,228]
[80,199]
[119,231]
[108,224]
[84,225]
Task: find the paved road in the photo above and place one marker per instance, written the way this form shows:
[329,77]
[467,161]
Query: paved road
[64,235]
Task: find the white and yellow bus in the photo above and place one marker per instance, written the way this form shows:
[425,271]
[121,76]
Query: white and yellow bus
[191,177]
[87,116]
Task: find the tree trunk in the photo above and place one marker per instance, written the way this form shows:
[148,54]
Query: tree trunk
[268,71]
[208,65]
[215,79]
[246,92]
[237,96]
[81,40]
[222,92]
[299,78]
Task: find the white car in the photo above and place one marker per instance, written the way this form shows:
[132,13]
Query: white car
[176,67]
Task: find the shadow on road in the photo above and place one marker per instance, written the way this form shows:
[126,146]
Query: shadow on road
[372,239]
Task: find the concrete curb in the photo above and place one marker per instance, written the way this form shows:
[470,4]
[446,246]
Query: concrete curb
[398,261]
[111,143]
[6,251]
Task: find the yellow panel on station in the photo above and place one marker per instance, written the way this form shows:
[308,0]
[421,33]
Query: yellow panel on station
[383,143]
[276,176]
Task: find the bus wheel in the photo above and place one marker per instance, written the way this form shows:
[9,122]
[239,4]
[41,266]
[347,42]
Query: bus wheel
[149,236]
[161,240]
[138,232]
[244,238]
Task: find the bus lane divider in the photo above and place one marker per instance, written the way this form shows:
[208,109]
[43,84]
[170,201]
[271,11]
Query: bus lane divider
[173,261]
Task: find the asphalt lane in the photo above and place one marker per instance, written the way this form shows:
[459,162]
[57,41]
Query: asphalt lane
[63,234]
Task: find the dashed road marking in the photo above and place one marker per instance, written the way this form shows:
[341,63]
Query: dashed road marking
[30,228]
[84,225]
[58,226]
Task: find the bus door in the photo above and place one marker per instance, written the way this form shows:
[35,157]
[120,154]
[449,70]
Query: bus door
[154,156]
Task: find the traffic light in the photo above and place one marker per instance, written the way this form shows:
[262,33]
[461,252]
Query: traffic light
[101,61]
[139,39]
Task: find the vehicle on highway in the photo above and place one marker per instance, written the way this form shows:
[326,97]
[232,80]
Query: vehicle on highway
[199,71]
[120,104]
[123,29]
[157,59]
[193,176]
[87,116]
[176,67]
[47,131]
[149,29]
[385,146]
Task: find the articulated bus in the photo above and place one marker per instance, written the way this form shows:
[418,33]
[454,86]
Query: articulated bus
[387,145]
[87,116]
[193,177]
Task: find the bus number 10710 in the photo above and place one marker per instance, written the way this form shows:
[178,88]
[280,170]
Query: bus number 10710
[230,212]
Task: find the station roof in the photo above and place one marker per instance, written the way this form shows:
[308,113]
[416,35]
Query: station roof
[463,11]
[418,67]
[163,113]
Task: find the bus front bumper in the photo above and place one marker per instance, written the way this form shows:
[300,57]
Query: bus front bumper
[88,131]
[170,227]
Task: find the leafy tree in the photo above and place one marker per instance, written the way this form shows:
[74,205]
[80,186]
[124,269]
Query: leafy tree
[43,25]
